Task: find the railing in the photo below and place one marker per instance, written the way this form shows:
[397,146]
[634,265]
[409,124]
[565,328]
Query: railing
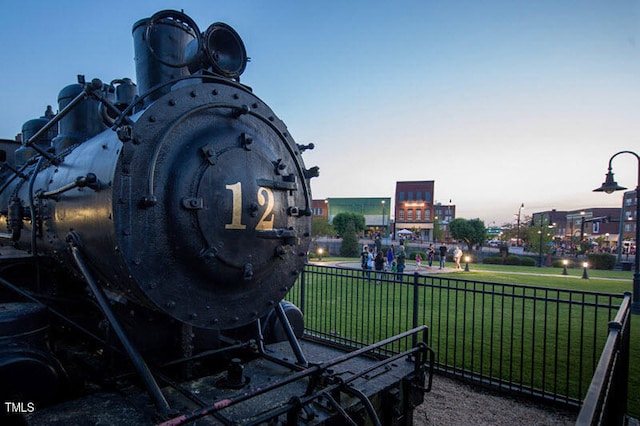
[606,400]
[538,342]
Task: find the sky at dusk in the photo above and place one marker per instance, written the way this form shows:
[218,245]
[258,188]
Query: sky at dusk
[499,102]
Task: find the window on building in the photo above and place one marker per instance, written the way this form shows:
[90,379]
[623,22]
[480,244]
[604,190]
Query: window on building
[427,196]
[427,214]
[401,196]
[418,214]
[409,214]
[401,214]
[418,196]
[410,196]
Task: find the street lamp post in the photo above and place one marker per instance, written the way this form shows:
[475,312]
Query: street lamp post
[609,186]
[383,233]
[518,229]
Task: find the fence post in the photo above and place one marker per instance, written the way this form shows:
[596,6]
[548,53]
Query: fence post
[415,306]
[618,409]
[621,379]
[302,280]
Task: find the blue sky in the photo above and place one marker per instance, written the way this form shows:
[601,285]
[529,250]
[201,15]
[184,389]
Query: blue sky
[499,102]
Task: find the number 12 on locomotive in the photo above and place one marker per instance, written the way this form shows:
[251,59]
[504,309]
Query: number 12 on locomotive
[264,196]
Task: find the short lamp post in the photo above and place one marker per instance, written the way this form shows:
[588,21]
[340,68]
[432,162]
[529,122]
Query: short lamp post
[320,251]
[564,266]
[585,265]
[609,186]
[466,267]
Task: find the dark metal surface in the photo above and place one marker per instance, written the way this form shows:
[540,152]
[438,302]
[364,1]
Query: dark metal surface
[272,392]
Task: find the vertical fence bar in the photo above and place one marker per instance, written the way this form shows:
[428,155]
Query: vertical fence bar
[414,321]
[303,280]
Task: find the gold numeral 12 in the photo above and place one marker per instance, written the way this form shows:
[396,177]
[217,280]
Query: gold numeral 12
[265,196]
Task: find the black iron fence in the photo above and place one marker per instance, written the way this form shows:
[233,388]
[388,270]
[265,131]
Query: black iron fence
[539,342]
[606,400]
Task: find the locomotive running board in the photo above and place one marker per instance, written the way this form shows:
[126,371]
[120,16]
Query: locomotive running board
[323,383]
[138,362]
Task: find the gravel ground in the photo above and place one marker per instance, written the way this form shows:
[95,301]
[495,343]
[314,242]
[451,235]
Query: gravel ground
[454,403]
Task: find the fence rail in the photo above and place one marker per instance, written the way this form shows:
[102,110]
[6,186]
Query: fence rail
[606,400]
[533,341]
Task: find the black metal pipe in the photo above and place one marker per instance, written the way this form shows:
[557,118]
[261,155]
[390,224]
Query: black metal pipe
[293,340]
[367,404]
[138,362]
[75,101]
[89,180]
[32,208]
[18,173]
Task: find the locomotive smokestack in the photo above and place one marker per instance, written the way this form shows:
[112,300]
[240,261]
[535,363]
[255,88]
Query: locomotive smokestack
[160,43]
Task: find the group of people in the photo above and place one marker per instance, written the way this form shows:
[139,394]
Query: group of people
[388,261]
[373,259]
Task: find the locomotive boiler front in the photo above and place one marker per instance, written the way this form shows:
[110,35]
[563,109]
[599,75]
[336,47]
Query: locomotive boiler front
[196,202]
[211,206]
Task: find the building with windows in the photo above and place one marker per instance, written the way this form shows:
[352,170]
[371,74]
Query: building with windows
[576,225]
[443,215]
[319,209]
[628,217]
[414,208]
[376,211]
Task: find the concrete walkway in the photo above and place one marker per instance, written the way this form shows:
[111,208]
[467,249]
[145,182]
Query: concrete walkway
[410,268]
[425,270]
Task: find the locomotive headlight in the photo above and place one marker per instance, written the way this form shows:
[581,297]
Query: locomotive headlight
[224,50]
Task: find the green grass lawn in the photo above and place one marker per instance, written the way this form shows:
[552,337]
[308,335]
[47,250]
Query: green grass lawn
[599,280]
[616,282]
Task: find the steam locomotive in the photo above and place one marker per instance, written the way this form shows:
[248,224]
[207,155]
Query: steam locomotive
[151,233]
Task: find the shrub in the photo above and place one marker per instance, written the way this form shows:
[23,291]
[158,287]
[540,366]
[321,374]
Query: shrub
[512,260]
[601,260]
[492,260]
[527,261]
[350,246]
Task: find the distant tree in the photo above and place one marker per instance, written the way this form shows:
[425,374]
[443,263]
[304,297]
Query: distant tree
[342,220]
[470,231]
[538,235]
[510,231]
[349,246]
[321,227]
[438,232]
